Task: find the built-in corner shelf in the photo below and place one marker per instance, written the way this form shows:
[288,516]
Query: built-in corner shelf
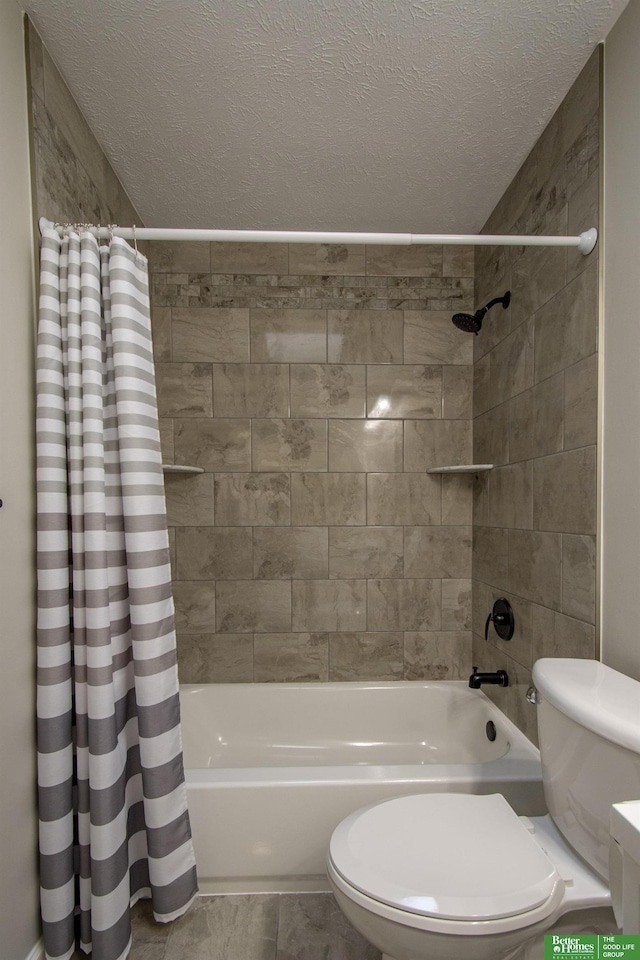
[181,468]
[463,468]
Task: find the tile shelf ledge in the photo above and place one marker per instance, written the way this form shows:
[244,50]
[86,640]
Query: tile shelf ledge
[181,468]
[463,468]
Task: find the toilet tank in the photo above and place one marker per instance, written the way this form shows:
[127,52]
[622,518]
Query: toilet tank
[589,729]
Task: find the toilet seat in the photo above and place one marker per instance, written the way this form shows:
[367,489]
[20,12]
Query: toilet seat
[445,862]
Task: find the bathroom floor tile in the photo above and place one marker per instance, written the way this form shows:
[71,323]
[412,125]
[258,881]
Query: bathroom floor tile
[305,926]
[312,927]
[226,928]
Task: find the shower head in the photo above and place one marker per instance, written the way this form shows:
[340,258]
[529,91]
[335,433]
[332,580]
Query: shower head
[471,323]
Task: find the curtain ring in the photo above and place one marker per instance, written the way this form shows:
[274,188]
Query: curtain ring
[110,229]
[135,242]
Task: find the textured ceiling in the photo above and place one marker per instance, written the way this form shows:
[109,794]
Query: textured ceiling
[390,115]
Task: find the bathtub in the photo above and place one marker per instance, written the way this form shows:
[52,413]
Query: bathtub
[272,768]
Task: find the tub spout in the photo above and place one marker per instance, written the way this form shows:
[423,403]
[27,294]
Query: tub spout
[476,679]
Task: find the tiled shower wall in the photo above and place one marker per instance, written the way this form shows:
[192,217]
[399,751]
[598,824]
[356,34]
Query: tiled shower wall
[315,385]
[72,179]
[535,409]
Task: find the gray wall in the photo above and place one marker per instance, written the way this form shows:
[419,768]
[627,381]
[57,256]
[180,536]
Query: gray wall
[621,400]
[19,921]
[316,385]
[535,408]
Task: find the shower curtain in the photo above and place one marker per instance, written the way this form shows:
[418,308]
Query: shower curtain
[114,824]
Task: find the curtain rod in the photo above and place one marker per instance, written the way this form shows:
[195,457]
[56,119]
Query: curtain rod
[585,242]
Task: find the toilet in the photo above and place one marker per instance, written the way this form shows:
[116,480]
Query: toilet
[462,877]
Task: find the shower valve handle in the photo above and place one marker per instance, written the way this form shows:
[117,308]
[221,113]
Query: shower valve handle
[502,618]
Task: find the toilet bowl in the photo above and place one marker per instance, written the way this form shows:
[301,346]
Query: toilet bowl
[462,877]
[455,877]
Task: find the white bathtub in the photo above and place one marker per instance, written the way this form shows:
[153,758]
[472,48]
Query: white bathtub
[273,768]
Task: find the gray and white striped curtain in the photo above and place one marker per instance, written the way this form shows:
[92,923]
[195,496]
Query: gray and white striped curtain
[114,824]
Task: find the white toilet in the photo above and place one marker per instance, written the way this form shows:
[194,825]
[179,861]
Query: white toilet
[461,877]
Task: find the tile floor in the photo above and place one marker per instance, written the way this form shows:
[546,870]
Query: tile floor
[258,927]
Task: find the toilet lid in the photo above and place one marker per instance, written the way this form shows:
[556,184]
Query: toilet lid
[452,856]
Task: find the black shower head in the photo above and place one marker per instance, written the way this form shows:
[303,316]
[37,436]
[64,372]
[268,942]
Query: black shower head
[471,323]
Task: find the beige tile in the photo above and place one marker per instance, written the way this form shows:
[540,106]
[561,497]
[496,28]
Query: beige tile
[404,391]
[392,260]
[511,367]
[490,555]
[566,326]
[249,499]
[511,496]
[356,445]
[327,390]
[365,336]
[581,102]
[210,333]
[481,499]
[365,656]
[482,399]
[537,274]
[327,259]
[167,256]
[35,66]
[161,334]
[456,604]
[491,436]
[289,336]
[457,498]
[289,445]
[195,604]
[189,500]
[564,492]
[581,403]
[70,122]
[165,428]
[249,258]
[536,420]
[328,605]
[248,606]
[184,389]
[403,498]
[283,553]
[251,389]
[556,635]
[579,577]
[437,656]
[214,553]
[172,552]
[437,552]
[403,605]
[227,928]
[458,261]
[430,337]
[365,552]
[291,657]
[457,392]
[328,498]
[583,213]
[436,443]
[215,658]
[535,567]
[517,198]
[216,445]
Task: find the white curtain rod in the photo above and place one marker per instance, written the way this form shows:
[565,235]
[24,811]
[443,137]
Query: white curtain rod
[585,242]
